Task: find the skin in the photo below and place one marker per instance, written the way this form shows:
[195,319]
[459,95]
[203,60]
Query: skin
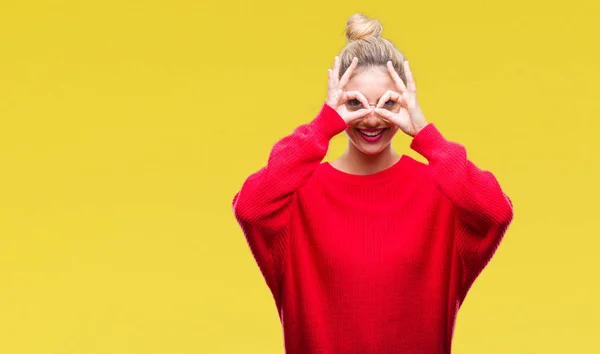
[373,98]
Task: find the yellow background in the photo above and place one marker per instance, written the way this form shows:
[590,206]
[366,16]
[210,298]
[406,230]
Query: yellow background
[128,126]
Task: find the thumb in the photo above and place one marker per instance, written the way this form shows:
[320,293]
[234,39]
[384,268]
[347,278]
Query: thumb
[352,116]
[385,114]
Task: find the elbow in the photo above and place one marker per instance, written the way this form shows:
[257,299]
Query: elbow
[498,219]
[506,214]
[238,210]
[246,209]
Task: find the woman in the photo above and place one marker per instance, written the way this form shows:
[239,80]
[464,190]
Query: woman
[375,251]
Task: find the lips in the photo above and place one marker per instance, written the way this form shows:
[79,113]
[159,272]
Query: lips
[371,132]
[371,135]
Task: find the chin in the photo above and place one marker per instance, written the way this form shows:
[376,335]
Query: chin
[370,149]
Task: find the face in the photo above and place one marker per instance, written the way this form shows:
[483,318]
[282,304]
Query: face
[371,134]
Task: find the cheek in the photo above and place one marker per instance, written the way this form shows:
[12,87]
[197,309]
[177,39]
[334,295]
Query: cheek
[392,132]
[352,134]
[350,131]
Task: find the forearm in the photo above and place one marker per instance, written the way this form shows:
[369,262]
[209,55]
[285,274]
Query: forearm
[262,205]
[291,162]
[475,193]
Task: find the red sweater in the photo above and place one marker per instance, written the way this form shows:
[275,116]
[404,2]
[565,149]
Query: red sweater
[370,264]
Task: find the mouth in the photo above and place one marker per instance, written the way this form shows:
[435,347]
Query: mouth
[372,135]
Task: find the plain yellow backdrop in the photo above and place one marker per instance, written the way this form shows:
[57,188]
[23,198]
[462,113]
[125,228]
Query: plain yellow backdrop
[126,127]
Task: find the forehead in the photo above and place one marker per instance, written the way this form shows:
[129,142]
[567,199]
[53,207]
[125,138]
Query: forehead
[372,82]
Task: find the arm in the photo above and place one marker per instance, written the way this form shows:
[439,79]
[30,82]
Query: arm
[262,205]
[484,212]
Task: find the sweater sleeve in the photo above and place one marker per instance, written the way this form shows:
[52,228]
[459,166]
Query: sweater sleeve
[484,211]
[262,205]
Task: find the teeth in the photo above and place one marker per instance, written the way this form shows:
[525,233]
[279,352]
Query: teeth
[371,134]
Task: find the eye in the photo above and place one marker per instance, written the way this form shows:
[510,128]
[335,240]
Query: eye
[389,103]
[354,103]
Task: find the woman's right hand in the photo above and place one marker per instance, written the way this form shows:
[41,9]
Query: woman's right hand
[337,97]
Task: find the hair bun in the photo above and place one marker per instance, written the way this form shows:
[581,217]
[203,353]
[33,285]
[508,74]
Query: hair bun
[360,26]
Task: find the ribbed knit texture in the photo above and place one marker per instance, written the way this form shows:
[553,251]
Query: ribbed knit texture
[370,264]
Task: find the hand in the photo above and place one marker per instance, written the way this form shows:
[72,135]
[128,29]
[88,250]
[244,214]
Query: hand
[337,97]
[410,118]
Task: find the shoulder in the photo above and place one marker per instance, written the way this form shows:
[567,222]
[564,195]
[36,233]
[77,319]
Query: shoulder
[416,169]
[418,175]
[319,176]
[420,183]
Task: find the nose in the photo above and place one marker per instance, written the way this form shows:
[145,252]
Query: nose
[371,120]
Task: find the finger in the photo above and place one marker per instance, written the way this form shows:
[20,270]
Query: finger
[336,70]
[386,120]
[384,113]
[352,116]
[331,87]
[344,80]
[331,84]
[409,78]
[356,95]
[397,80]
[389,95]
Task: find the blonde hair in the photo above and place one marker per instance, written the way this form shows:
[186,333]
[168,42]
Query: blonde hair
[366,44]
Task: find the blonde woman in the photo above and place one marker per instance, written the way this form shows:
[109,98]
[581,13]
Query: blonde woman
[373,252]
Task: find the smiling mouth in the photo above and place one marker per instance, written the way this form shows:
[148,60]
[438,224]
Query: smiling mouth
[371,133]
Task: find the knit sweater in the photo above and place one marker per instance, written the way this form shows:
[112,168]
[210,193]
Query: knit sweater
[377,263]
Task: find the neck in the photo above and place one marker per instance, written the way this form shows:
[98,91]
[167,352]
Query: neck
[356,162]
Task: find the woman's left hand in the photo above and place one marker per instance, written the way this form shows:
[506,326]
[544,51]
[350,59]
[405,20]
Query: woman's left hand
[410,118]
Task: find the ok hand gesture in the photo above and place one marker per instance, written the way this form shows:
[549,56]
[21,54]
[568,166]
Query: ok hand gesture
[410,118]
[338,97]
